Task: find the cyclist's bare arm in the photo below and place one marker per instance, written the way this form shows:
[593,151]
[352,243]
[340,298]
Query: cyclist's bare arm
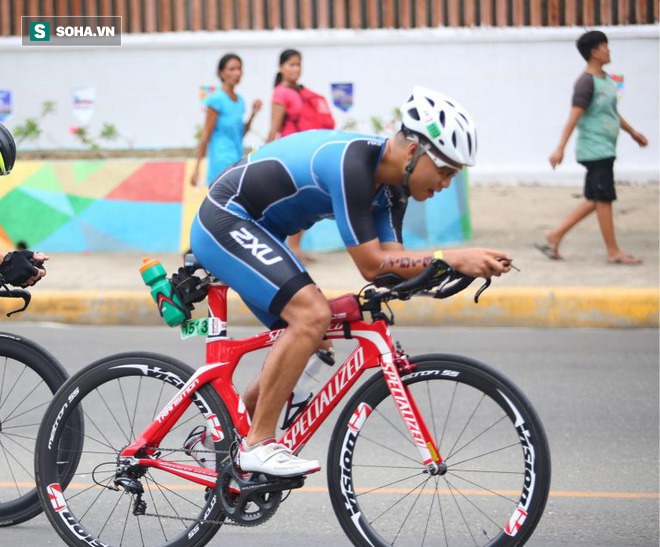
[373,258]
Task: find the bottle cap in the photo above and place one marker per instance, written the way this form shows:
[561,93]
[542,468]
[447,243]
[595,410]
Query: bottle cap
[148,263]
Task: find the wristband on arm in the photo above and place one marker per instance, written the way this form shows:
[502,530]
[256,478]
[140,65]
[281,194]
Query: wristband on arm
[438,255]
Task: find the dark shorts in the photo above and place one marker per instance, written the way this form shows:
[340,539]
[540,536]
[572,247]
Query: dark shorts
[599,181]
[248,258]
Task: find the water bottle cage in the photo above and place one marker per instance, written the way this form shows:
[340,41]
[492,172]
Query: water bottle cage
[189,288]
[162,299]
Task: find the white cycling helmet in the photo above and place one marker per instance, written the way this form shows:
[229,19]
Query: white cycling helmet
[444,124]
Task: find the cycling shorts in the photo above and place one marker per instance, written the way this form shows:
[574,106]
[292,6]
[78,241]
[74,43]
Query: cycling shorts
[248,258]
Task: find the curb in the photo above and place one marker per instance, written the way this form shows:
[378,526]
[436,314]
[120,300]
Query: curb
[615,307]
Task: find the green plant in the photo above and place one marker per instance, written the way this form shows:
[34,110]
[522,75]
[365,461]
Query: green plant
[108,133]
[30,129]
[388,125]
[349,125]
[198,133]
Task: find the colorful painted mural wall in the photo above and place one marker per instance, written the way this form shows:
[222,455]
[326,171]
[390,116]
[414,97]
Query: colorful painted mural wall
[137,205]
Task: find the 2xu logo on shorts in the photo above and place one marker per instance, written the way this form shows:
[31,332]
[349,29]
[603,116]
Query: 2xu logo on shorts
[259,250]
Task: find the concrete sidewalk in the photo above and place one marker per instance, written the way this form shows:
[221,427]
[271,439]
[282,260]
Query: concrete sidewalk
[581,290]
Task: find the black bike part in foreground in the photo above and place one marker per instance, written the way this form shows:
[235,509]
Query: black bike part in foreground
[493,444]
[29,376]
[120,395]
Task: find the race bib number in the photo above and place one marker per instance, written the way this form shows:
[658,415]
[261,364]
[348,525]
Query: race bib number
[208,326]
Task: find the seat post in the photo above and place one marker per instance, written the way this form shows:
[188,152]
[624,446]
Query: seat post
[218,307]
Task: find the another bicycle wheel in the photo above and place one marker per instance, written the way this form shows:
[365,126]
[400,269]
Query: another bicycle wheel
[119,396]
[497,479]
[29,376]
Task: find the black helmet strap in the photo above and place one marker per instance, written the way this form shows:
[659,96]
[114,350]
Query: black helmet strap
[421,149]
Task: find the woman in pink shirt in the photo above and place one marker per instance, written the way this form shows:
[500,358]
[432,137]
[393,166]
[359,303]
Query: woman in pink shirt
[286,105]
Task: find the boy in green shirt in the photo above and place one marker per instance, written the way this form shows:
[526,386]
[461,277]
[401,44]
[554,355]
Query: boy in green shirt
[594,112]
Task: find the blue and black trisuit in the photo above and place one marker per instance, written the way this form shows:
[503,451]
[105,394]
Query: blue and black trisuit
[282,188]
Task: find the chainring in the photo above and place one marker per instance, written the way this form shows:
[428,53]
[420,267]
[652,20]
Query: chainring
[247,501]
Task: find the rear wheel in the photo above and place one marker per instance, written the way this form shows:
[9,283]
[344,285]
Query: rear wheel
[29,376]
[497,478]
[119,397]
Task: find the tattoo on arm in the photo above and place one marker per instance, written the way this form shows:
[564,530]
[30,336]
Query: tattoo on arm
[404,262]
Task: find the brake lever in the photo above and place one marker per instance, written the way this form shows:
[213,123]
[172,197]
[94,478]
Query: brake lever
[451,286]
[17,293]
[481,290]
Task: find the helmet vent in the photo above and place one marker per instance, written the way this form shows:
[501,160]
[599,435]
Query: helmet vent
[469,139]
[442,118]
[450,103]
[453,138]
[414,114]
[430,101]
[463,116]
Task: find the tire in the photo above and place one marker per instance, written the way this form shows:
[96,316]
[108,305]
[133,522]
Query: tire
[491,439]
[120,395]
[29,376]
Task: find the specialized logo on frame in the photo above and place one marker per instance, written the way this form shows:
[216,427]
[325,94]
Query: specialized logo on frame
[71,31]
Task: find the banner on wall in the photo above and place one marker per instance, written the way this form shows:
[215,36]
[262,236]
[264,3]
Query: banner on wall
[206,90]
[342,96]
[83,104]
[5,104]
[618,80]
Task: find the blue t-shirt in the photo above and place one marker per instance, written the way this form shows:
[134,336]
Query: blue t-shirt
[293,182]
[226,144]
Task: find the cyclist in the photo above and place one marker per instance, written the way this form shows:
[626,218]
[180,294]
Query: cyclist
[23,267]
[361,181]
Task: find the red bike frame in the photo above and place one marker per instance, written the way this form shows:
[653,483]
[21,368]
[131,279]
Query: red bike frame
[375,349]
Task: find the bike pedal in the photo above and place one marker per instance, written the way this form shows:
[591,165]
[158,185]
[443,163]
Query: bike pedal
[284,483]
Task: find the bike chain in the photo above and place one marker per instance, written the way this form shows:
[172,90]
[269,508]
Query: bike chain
[226,522]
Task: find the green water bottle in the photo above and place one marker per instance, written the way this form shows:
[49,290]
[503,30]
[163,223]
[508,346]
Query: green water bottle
[169,305]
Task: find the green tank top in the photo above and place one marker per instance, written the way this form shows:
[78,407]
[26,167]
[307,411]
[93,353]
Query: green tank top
[598,128]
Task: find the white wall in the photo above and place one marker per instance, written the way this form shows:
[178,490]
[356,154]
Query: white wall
[517,84]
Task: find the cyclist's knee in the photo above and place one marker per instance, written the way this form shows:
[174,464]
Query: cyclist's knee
[308,312]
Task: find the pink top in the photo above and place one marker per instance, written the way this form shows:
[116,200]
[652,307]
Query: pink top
[292,102]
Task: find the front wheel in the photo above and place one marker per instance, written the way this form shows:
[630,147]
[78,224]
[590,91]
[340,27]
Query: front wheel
[492,441]
[29,376]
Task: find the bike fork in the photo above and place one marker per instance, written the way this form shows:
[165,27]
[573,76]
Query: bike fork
[421,436]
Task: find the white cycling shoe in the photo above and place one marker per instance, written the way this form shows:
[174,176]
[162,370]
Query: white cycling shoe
[272,458]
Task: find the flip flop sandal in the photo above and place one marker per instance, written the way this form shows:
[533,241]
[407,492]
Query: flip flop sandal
[626,260]
[548,251]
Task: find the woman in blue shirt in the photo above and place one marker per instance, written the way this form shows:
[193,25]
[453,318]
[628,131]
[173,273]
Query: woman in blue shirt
[224,128]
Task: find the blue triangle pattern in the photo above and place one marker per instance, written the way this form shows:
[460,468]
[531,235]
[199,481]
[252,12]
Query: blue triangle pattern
[68,238]
[142,225]
[56,200]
